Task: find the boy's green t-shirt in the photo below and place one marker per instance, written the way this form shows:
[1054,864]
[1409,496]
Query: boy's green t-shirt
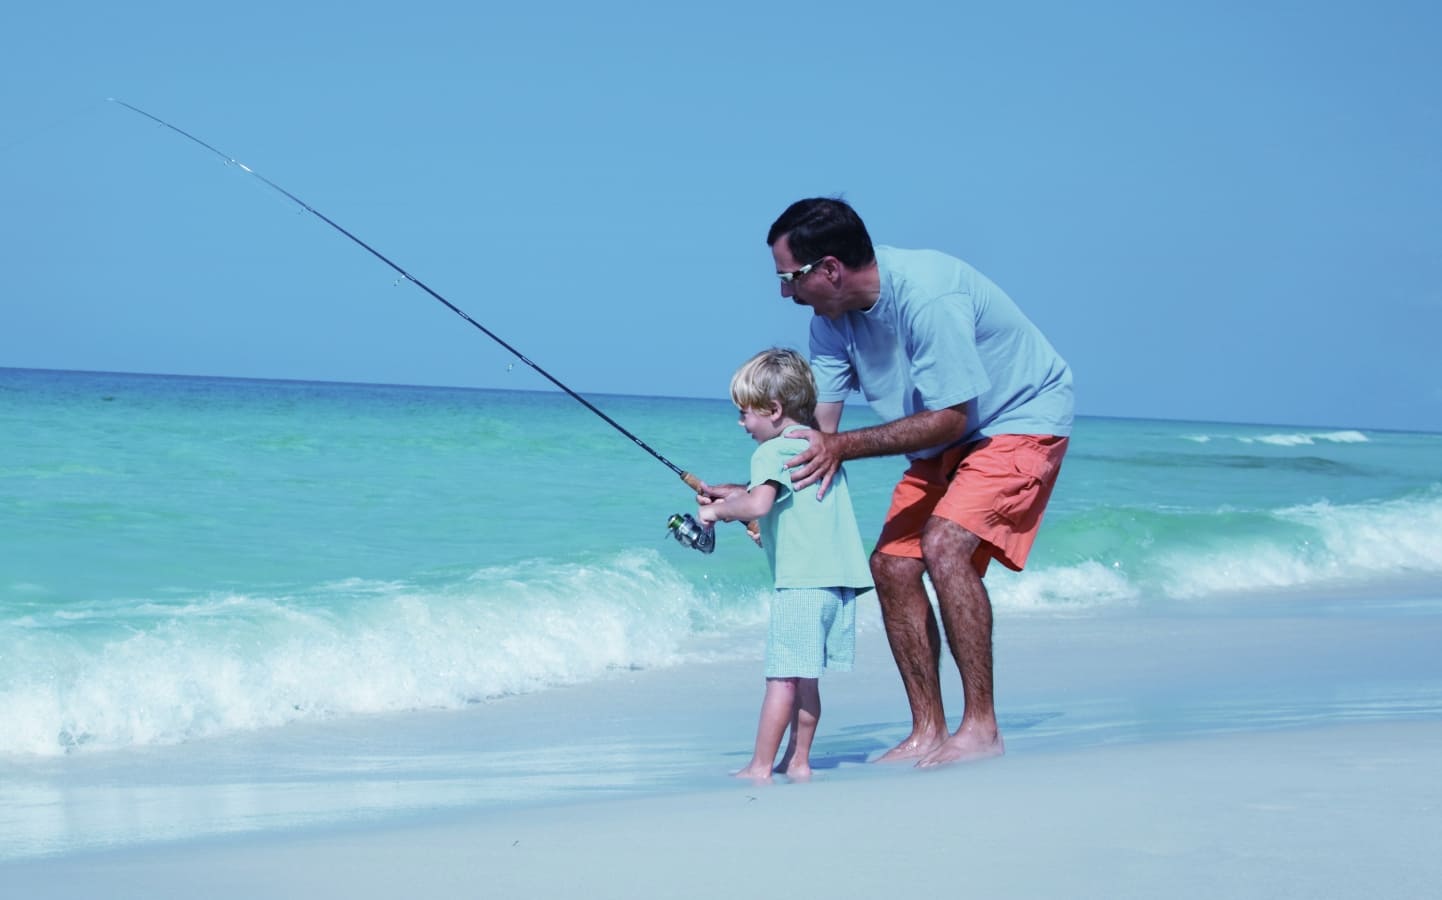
[809,544]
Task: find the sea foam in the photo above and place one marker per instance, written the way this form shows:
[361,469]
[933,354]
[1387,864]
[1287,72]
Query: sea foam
[1194,557]
[160,673]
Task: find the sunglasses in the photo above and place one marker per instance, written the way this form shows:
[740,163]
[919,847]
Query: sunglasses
[789,277]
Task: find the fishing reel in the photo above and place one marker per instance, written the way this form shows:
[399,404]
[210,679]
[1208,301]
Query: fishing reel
[686,530]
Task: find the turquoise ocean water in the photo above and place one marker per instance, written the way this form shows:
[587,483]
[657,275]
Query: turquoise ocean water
[187,559]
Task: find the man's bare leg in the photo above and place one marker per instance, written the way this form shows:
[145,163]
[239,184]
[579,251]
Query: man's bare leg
[916,646]
[966,613]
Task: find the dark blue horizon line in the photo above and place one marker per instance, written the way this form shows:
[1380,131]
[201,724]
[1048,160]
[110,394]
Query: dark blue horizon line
[725,400]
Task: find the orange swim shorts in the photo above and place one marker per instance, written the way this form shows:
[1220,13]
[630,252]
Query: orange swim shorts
[996,488]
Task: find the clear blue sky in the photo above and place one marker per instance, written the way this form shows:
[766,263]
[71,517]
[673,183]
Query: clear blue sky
[1224,211]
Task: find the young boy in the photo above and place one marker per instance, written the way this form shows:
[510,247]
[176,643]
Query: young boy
[814,549]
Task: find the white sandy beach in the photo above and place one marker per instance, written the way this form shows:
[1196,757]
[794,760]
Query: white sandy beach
[1266,755]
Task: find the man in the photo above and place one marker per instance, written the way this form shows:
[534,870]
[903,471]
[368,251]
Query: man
[974,395]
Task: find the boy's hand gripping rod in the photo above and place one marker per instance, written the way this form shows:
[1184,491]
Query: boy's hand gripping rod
[692,481]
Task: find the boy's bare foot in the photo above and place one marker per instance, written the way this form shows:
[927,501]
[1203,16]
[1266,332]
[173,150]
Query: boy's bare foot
[799,771]
[758,774]
[967,744]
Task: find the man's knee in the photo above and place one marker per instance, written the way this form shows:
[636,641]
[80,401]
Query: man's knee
[891,570]
[943,539]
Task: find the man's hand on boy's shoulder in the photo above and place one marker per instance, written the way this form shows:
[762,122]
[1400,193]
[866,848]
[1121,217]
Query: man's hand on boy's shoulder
[818,462]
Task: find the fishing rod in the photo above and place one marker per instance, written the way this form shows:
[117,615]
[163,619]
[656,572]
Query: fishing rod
[684,528]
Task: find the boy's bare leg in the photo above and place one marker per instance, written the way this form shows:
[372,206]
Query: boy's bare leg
[776,711]
[966,612]
[803,729]
[785,762]
[916,646]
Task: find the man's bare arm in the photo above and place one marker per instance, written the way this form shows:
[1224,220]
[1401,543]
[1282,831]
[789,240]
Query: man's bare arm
[828,451]
[828,416]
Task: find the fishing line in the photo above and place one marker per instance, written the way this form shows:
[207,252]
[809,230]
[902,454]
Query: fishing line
[687,477]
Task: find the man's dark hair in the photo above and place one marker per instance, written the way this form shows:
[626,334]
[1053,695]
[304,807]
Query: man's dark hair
[822,226]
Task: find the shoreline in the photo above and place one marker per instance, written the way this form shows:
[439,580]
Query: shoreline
[1171,754]
[1339,811]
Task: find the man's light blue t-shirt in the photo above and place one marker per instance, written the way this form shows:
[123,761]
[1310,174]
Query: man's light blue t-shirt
[941,334]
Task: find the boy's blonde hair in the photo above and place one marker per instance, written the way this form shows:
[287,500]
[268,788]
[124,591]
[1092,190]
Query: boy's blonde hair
[778,375]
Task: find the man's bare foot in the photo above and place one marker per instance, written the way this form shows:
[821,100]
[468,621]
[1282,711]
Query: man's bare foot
[969,743]
[914,747]
[799,771]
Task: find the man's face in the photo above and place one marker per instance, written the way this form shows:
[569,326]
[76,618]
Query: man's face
[810,282]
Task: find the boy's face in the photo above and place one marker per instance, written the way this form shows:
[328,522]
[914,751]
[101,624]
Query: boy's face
[762,424]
